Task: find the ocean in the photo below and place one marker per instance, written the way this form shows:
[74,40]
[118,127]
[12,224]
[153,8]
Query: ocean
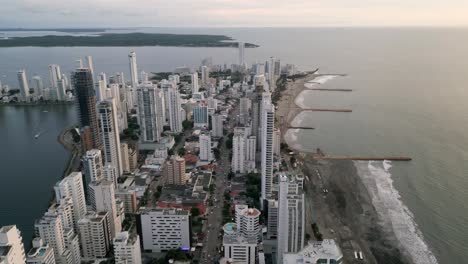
[408,99]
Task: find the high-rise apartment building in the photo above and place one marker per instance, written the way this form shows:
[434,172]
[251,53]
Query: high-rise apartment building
[72,187]
[95,236]
[217,125]
[174,171]
[23,85]
[150,112]
[102,197]
[291,214]
[11,245]
[127,248]
[110,139]
[241,46]
[238,150]
[194,80]
[173,102]
[92,166]
[200,116]
[205,72]
[205,147]
[40,253]
[268,125]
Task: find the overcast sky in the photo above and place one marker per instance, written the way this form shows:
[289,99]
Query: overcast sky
[235,13]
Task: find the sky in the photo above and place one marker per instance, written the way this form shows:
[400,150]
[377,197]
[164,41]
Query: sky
[232,13]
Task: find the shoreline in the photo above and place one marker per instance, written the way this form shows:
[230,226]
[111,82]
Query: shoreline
[66,140]
[344,212]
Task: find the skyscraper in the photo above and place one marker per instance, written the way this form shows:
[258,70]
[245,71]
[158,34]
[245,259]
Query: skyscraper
[38,86]
[55,75]
[72,187]
[133,74]
[102,197]
[268,125]
[95,235]
[85,98]
[90,64]
[23,85]
[11,245]
[205,147]
[150,112]
[217,125]
[194,80]
[241,46]
[238,150]
[205,72]
[92,166]
[200,116]
[291,216]
[107,113]
[175,121]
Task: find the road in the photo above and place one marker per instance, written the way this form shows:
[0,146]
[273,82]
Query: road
[213,236]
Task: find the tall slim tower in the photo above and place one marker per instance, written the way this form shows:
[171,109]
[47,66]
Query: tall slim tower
[194,80]
[90,64]
[268,126]
[205,71]
[241,46]
[72,187]
[174,171]
[107,112]
[150,112]
[133,68]
[23,85]
[205,147]
[175,121]
[85,98]
[92,165]
[291,215]
[38,86]
[55,75]
[238,150]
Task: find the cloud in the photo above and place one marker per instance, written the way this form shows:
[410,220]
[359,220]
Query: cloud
[48,13]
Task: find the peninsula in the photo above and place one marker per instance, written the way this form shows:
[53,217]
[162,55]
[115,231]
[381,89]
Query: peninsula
[123,40]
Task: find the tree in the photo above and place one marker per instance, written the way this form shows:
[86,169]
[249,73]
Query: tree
[217,153]
[181,151]
[187,124]
[195,211]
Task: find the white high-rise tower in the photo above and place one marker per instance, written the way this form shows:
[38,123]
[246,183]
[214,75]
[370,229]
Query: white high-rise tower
[150,112]
[72,187]
[268,126]
[23,85]
[291,216]
[241,46]
[175,120]
[10,238]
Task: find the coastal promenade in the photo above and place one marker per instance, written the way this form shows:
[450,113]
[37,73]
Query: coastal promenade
[66,139]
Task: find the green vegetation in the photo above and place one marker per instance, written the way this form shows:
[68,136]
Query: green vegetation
[158,76]
[187,124]
[280,87]
[217,153]
[133,130]
[181,151]
[157,194]
[253,189]
[316,231]
[123,40]
[195,211]
[229,141]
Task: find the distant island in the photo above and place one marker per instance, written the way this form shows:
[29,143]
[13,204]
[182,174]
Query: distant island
[65,30]
[123,40]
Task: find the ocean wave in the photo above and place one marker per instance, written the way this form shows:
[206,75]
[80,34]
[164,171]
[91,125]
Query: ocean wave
[392,212]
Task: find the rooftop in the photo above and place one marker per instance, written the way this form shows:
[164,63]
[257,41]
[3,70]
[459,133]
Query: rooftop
[315,250]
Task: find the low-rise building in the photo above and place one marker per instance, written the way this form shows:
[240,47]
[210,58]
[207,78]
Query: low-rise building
[164,229]
[326,252]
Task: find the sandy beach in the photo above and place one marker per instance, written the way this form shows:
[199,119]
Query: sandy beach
[337,200]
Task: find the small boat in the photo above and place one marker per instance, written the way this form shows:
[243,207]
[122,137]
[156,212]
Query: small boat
[45,111]
[360,255]
[355,255]
[37,136]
